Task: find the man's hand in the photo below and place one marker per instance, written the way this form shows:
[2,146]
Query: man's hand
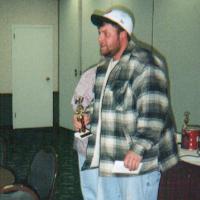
[77,123]
[132,160]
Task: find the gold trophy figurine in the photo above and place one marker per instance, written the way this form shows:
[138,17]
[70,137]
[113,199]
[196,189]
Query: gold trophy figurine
[186,119]
[83,132]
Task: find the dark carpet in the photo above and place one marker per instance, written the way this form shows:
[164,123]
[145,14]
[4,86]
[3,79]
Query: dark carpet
[23,144]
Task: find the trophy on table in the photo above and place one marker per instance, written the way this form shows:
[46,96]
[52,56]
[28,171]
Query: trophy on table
[80,110]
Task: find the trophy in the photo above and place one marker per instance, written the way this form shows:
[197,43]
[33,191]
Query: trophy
[186,119]
[80,110]
[185,136]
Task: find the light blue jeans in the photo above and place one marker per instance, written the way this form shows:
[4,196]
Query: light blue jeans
[143,187]
[88,180]
[89,183]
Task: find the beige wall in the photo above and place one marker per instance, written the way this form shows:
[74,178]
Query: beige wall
[177,36]
[30,12]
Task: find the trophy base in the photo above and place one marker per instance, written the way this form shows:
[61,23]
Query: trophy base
[83,135]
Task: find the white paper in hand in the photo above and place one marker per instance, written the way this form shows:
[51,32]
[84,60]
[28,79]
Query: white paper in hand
[119,168]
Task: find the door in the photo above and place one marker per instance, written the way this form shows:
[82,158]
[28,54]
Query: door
[32,66]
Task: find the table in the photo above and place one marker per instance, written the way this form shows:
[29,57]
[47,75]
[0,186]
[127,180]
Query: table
[182,181]
[189,156]
[6,177]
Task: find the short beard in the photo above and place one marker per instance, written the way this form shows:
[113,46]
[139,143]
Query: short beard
[106,54]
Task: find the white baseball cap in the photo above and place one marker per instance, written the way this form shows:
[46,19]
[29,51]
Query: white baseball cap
[115,15]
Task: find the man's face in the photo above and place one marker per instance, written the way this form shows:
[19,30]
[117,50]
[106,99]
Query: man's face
[109,40]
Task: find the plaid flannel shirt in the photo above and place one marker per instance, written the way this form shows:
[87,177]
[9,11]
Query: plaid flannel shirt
[135,113]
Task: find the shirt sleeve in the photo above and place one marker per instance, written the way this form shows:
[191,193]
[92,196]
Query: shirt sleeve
[84,88]
[152,107]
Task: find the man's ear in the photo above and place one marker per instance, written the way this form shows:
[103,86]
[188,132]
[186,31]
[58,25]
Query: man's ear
[123,35]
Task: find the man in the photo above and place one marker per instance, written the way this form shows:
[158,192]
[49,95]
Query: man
[130,117]
[88,178]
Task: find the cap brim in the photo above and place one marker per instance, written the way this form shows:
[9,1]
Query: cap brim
[98,20]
